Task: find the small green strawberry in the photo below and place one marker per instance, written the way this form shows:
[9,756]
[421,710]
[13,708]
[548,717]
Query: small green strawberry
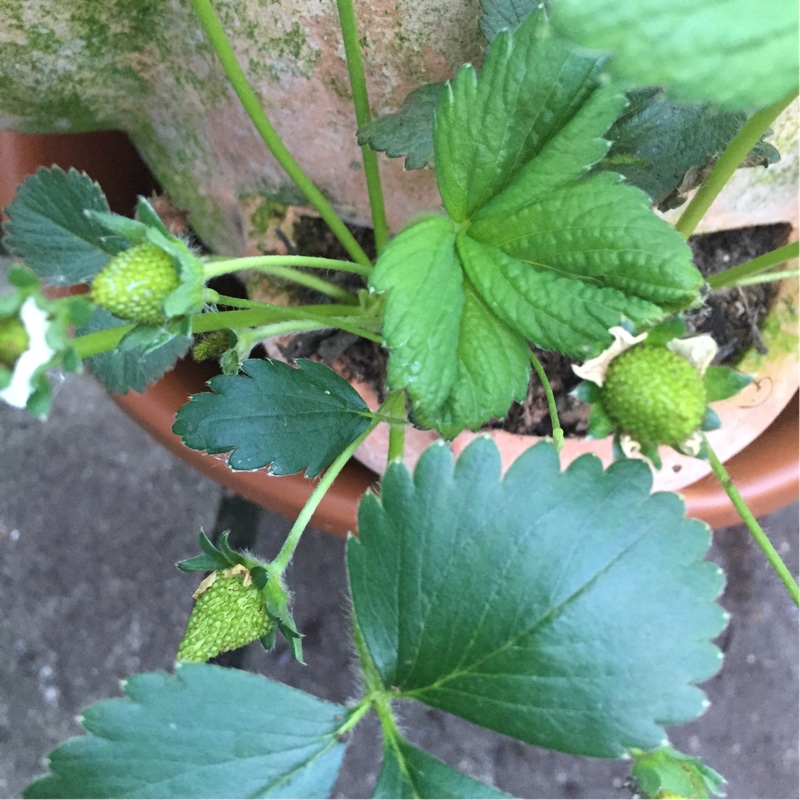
[135,283]
[14,341]
[654,395]
[212,345]
[229,613]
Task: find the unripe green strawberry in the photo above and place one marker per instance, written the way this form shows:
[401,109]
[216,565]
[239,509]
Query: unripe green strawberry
[13,341]
[135,283]
[229,613]
[654,395]
[212,345]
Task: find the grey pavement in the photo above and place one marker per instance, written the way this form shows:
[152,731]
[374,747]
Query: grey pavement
[94,514]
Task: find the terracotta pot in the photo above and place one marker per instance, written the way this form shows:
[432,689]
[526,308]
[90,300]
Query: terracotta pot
[765,471]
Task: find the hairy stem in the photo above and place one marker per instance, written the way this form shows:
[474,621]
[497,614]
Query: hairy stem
[313,282]
[358,85]
[397,431]
[224,266]
[292,540]
[726,165]
[752,525]
[736,274]
[558,433]
[219,41]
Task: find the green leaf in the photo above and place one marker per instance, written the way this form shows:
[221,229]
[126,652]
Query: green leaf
[48,229]
[293,419]
[527,605]
[553,312]
[492,370]
[665,147]
[597,231]
[204,732]
[130,369]
[407,132]
[501,15]
[724,382]
[487,128]
[419,268]
[668,770]
[408,772]
[735,53]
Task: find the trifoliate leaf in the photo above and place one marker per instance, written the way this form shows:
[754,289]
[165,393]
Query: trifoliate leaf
[408,131]
[408,772]
[555,256]
[204,732]
[132,369]
[665,147]
[670,773]
[735,53]
[48,229]
[527,605]
[293,419]
[499,15]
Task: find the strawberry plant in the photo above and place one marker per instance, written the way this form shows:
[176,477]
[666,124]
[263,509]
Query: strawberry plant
[500,598]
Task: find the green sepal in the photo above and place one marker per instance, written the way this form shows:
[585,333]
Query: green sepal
[207,546]
[724,382]
[202,563]
[711,420]
[669,329]
[71,361]
[668,770]
[188,297]
[146,335]
[296,646]
[147,214]
[650,452]
[587,392]
[268,639]
[260,576]
[132,230]
[180,326]
[228,553]
[276,604]
[600,424]
[22,278]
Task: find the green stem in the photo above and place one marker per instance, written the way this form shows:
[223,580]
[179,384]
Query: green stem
[383,709]
[358,85]
[238,80]
[310,282]
[396,404]
[558,433]
[752,525]
[768,277]
[253,315]
[755,266]
[350,319]
[355,716]
[281,561]
[217,267]
[726,165]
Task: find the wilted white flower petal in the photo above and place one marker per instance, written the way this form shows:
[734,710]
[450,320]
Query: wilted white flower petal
[595,369]
[699,351]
